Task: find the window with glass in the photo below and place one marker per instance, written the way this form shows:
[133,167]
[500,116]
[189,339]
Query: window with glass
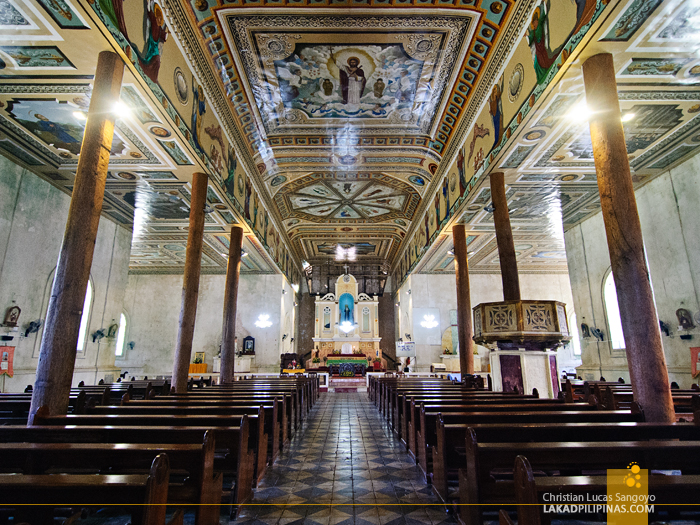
[85,319]
[575,334]
[612,312]
[121,336]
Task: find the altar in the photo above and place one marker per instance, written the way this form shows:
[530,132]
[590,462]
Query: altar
[346,325]
[337,359]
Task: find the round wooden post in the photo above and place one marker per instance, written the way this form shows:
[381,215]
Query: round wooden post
[504,238]
[640,325]
[464,303]
[190,283]
[54,372]
[228,333]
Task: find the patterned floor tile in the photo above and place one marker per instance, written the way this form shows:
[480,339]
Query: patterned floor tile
[344,466]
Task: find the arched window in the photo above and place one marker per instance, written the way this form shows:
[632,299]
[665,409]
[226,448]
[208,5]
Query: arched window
[121,336]
[85,319]
[575,334]
[612,312]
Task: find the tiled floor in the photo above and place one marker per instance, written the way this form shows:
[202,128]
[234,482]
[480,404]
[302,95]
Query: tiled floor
[345,467]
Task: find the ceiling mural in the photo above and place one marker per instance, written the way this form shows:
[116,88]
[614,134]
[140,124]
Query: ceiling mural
[370,129]
[545,148]
[159,142]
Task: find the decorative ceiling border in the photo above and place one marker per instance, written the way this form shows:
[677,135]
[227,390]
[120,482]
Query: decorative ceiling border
[505,47]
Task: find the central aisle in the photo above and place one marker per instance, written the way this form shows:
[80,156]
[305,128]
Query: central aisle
[344,466]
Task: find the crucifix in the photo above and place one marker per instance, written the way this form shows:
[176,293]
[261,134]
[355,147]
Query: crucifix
[346,268]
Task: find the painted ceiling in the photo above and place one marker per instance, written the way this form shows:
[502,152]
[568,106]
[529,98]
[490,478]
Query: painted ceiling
[368,124]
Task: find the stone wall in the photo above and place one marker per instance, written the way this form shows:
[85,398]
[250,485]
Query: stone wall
[32,221]
[153,305]
[668,210]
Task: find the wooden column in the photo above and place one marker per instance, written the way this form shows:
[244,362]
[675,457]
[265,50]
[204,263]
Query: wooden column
[228,333]
[504,238]
[464,302]
[640,325]
[190,283]
[54,372]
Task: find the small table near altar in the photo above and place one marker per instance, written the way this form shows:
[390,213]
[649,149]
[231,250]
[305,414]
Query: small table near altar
[346,359]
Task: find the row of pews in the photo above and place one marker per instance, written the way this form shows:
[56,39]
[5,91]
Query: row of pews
[485,452]
[138,446]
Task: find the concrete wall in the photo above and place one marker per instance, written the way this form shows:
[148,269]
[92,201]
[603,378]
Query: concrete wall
[32,221]
[153,305]
[668,210]
[436,295]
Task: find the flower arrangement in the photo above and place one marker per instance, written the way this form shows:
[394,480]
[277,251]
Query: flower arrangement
[316,360]
[377,360]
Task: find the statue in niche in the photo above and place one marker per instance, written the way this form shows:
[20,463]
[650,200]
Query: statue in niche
[346,313]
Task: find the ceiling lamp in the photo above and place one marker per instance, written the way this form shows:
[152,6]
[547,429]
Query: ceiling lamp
[263,321]
[295,287]
[428,321]
[347,327]
[627,117]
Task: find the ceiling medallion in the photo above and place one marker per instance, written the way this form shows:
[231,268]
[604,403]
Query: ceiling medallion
[515,84]
[181,89]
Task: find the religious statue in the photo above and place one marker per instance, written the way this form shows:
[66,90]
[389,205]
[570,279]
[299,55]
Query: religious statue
[346,313]
[352,81]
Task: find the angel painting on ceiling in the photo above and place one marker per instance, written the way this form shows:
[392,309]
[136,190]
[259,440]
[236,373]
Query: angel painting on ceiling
[156,35]
[496,111]
[199,108]
[341,81]
[537,36]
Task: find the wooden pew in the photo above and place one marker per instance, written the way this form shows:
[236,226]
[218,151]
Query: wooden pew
[202,487]
[451,440]
[34,496]
[258,438]
[402,401]
[272,426]
[529,490]
[424,434]
[279,439]
[478,489]
[232,445]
